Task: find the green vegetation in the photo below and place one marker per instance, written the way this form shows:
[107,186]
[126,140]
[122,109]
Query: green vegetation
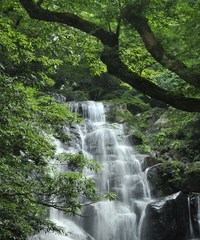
[142,54]
[29,117]
[137,41]
[172,171]
[193,168]
[173,134]
[28,185]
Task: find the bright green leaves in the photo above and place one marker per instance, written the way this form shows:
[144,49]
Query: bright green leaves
[23,188]
[78,162]
[110,195]
[176,23]
[23,120]
[172,171]
[14,44]
[26,47]
[137,58]
[29,186]
[69,187]
[19,216]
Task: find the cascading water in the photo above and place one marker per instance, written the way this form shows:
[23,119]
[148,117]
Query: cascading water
[190,220]
[124,218]
[198,211]
[121,173]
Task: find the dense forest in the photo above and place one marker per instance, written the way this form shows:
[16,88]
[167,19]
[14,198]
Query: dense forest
[140,54]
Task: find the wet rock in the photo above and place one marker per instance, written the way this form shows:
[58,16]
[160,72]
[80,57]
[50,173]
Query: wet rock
[191,182]
[166,219]
[163,119]
[115,112]
[134,140]
[59,97]
[159,187]
[88,221]
[137,190]
[149,161]
[195,214]
[76,96]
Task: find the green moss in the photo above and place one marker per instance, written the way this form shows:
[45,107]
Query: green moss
[193,168]
[144,149]
[172,171]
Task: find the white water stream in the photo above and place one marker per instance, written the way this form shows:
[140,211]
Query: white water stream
[190,220]
[116,220]
[107,143]
[198,211]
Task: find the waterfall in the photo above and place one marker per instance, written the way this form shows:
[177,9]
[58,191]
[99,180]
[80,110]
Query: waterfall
[198,211]
[190,220]
[126,218]
[121,173]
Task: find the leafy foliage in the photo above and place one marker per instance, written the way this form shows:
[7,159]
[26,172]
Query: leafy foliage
[193,168]
[35,53]
[172,171]
[168,135]
[28,186]
[78,163]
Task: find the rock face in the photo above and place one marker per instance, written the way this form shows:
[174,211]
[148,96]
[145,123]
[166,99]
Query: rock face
[191,183]
[148,162]
[166,219]
[158,186]
[134,140]
[115,112]
[161,186]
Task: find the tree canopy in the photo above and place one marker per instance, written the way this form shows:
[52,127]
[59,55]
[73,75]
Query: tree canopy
[167,33]
[146,45]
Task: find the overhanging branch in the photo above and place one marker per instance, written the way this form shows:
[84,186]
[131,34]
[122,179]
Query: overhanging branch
[37,12]
[112,60]
[117,68]
[156,49]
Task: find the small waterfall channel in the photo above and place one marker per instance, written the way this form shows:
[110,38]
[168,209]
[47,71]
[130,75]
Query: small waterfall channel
[194,218]
[191,230]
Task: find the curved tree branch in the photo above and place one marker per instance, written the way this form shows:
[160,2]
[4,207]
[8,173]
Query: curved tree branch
[70,19]
[156,49]
[111,58]
[117,68]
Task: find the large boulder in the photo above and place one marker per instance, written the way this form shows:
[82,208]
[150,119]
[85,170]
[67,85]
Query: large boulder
[159,186]
[166,219]
[170,177]
[191,182]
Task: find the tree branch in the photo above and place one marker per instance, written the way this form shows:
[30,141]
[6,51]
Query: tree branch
[111,58]
[40,2]
[37,12]
[118,69]
[156,49]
